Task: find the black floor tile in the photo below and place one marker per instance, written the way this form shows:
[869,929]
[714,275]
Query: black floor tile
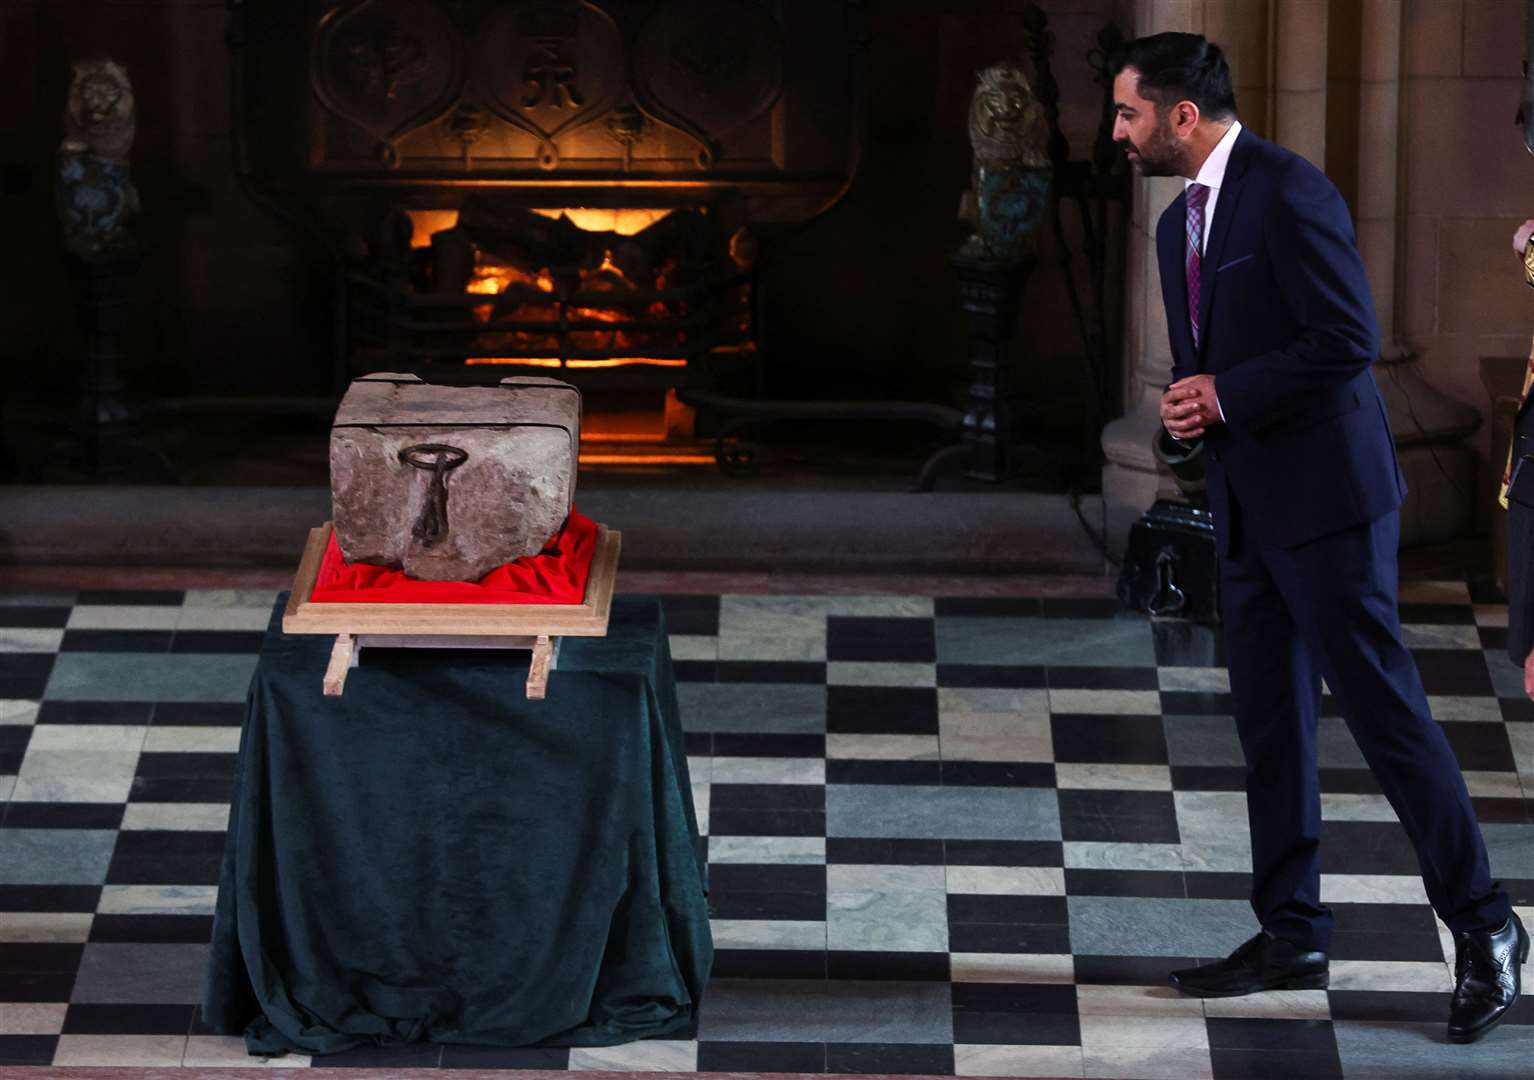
[181,789]
[1144,817]
[24,675]
[125,713]
[1103,678]
[1004,852]
[774,877]
[768,964]
[728,744]
[1347,945]
[992,676]
[969,908]
[771,671]
[1008,1028]
[688,614]
[1502,811]
[21,1050]
[37,986]
[1518,710]
[1274,1065]
[725,822]
[1119,740]
[216,641]
[29,617]
[998,774]
[502,1057]
[767,797]
[49,897]
[31,815]
[1130,970]
[414,1056]
[1303,1036]
[1378,1006]
[1481,747]
[1453,671]
[164,869]
[706,671]
[1437,614]
[1349,782]
[896,966]
[1148,883]
[131,597]
[1208,778]
[755,1057]
[181,929]
[897,640]
[1046,998]
[157,765]
[1366,847]
[35,957]
[198,714]
[881,710]
[116,641]
[1212,885]
[789,906]
[1189,703]
[861,771]
[1052,938]
[122,1018]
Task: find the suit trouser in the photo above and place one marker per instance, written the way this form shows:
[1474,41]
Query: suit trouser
[1327,609]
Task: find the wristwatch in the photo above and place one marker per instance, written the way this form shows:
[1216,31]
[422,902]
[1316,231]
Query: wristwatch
[1528,262]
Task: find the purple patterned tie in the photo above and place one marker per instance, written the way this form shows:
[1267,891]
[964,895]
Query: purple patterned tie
[1197,196]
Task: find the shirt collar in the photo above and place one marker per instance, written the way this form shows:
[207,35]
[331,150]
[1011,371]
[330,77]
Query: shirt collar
[1212,173]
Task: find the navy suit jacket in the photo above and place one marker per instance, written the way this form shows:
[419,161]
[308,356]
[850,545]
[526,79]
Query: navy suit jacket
[1289,334]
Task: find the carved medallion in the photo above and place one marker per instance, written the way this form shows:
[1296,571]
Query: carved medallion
[549,66]
[708,66]
[388,66]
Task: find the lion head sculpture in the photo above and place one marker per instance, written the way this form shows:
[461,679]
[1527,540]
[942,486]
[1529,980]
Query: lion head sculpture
[98,115]
[1006,121]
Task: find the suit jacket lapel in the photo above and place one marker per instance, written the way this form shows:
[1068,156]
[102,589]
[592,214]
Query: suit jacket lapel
[1219,229]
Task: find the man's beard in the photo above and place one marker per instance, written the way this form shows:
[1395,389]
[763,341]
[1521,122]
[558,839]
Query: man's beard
[1162,154]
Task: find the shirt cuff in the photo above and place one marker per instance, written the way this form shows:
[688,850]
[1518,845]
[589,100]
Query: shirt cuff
[1218,408]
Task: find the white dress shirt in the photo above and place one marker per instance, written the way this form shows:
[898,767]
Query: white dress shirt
[1212,174]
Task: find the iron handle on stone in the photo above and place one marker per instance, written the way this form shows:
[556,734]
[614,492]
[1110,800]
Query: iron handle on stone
[431,527]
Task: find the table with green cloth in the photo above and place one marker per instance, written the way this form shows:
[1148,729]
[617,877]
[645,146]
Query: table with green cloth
[431,857]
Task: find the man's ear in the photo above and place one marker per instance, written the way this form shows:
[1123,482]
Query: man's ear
[1185,116]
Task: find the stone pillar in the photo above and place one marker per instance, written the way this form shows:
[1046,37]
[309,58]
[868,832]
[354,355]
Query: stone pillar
[1429,426]
[1131,479]
[1299,77]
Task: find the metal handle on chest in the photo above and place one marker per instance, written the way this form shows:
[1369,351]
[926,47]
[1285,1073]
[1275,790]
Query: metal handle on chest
[431,527]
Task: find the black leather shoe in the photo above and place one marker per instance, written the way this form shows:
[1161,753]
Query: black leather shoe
[1264,963]
[1487,982]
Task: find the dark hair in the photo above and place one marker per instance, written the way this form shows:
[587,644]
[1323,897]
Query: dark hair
[1180,67]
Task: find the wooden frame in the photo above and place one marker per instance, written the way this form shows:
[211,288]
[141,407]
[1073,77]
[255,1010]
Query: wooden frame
[501,626]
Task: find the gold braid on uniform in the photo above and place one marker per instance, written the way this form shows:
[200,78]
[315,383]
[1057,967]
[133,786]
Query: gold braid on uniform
[1528,262]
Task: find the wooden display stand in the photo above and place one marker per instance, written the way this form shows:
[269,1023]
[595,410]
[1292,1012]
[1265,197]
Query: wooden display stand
[450,626]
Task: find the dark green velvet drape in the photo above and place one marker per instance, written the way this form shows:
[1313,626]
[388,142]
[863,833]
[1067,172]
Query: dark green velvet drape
[432,857]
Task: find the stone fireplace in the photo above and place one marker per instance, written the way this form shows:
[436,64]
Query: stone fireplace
[575,188]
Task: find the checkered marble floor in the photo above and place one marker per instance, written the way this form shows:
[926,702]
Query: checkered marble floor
[946,836]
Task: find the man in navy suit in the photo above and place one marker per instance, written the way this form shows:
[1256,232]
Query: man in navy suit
[1273,334]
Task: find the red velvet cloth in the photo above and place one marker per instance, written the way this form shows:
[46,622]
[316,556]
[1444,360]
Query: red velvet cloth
[556,575]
